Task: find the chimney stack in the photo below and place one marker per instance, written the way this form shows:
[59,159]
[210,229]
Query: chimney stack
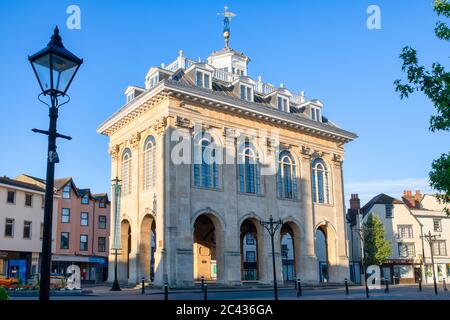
[409,199]
[355,203]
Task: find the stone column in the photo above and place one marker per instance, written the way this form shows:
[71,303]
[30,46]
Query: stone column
[135,274]
[231,269]
[309,268]
[341,269]
[160,252]
[180,199]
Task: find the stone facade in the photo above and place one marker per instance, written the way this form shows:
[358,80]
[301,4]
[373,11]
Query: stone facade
[175,207]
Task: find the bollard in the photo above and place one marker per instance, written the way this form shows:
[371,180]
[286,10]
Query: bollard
[346,286]
[444,284]
[420,284]
[143,285]
[299,286]
[205,292]
[386,290]
[367,291]
[295,282]
[166,292]
[203,283]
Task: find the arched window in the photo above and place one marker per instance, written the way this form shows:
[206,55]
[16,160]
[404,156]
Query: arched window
[148,163]
[320,182]
[287,180]
[206,168]
[249,169]
[126,172]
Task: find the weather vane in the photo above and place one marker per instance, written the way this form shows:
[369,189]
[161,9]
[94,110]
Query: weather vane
[227,15]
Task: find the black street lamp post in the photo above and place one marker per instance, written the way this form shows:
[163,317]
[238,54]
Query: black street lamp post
[55,67]
[116,186]
[272,226]
[431,238]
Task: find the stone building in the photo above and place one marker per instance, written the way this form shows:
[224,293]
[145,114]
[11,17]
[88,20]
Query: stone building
[203,216]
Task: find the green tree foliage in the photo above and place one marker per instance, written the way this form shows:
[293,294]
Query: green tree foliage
[435,84]
[376,248]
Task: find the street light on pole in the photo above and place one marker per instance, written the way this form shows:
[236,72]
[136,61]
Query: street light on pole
[117,241]
[431,238]
[272,226]
[54,67]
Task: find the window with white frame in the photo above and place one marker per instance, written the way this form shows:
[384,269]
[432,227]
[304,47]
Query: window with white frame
[320,182]
[206,168]
[149,163]
[439,248]
[287,180]
[405,231]
[249,169]
[130,96]
[203,79]
[246,92]
[283,103]
[152,81]
[126,172]
[316,114]
[437,225]
[406,250]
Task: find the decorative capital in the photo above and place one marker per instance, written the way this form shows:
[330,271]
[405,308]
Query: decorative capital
[183,122]
[160,126]
[114,151]
[306,151]
[134,140]
[337,159]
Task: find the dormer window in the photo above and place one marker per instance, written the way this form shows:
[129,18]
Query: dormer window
[152,81]
[283,103]
[246,92]
[130,96]
[203,79]
[132,92]
[316,114]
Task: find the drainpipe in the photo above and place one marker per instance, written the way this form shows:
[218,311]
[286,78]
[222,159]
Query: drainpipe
[423,255]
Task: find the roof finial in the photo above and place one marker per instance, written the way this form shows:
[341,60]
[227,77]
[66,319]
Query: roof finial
[56,38]
[226,25]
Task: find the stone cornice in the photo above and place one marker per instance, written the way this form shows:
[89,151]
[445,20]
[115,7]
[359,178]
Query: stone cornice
[216,100]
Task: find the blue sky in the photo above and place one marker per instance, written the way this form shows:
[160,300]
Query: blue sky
[321,47]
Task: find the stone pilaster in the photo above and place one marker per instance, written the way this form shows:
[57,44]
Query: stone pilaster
[309,269]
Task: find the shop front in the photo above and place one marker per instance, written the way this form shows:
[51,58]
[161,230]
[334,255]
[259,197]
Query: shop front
[93,270]
[16,264]
[442,268]
[399,271]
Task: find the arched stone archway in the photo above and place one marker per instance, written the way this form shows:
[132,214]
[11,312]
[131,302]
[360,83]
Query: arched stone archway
[207,248]
[289,241]
[326,231]
[124,260]
[251,247]
[147,243]
[322,253]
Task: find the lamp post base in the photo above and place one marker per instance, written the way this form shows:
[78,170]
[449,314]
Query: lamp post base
[115,286]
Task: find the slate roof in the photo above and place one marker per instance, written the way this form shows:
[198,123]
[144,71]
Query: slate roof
[20,184]
[379,199]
